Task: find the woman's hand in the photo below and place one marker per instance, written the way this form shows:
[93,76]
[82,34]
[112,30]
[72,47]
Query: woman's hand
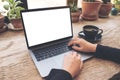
[72,63]
[82,45]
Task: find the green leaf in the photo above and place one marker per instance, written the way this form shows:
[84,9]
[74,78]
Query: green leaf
[6,7]
[17,3]
[17,11]
[11,13]
[11,1]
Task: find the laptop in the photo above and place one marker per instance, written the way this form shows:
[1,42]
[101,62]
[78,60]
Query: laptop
[47,33]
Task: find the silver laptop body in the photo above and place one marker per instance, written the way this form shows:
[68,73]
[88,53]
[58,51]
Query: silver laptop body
[46,29]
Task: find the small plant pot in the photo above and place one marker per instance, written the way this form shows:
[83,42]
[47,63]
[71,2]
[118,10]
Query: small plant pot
[105,10]
[17,24]
[90,10]
[75,16]
[3,28]
[1,21]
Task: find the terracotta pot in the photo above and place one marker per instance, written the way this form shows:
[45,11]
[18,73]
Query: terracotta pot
[90,10]
[17,24]
[1,21]
[75,16]
[105,9]
[3,28]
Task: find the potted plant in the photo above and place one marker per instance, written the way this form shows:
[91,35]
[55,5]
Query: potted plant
[13,14]
[117,4]
[1,20]
[3,28]
[90,9]
[75,12]
[105,8]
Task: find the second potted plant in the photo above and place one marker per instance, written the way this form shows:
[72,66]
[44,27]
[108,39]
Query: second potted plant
[105,8]
[75,12]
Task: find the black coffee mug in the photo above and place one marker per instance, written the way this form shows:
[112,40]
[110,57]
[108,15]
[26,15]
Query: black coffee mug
[91,31]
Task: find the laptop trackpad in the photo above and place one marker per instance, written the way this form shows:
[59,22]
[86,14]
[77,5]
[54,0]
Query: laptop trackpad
[46,65]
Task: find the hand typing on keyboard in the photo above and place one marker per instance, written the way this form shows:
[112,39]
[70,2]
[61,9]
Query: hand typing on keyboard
[70,46]
[82,45]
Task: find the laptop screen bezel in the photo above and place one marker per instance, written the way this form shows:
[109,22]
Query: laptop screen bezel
[41,9]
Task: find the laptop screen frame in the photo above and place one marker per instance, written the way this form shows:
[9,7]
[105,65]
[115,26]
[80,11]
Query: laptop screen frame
[41,9]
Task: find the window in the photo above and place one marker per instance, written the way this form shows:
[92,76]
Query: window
[48,3]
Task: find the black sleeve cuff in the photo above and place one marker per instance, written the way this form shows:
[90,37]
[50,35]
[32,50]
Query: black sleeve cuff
[57,74]
[108,53]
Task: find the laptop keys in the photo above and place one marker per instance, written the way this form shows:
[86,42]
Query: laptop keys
[51,51]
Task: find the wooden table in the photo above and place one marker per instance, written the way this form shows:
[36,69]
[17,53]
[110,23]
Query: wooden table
[16,63]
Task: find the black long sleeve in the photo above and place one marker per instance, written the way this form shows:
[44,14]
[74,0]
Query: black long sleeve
[108,53]
[57,74]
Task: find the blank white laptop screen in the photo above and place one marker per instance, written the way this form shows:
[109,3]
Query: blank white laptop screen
[47,25]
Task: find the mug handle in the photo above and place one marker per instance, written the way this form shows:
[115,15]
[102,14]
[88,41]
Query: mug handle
[101,31]
[81,33]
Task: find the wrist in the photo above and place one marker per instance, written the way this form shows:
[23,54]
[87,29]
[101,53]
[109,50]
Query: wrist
[93,48]
[70,72]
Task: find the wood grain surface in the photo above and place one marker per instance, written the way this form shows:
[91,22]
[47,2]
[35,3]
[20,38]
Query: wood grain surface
[16,63]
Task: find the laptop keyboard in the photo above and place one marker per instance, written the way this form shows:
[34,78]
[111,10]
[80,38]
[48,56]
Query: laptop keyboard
[51,51]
